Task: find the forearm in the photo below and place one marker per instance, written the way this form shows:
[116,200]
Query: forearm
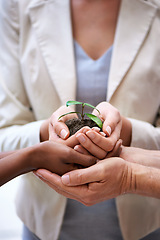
[5,154]
[151,158]
[15,164]
[145,180]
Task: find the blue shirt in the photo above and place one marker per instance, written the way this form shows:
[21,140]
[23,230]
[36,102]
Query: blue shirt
[99,221]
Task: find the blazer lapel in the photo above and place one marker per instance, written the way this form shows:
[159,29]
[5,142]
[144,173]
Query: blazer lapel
[135,19]
[52,23]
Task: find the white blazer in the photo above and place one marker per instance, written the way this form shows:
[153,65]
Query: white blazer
[37,69]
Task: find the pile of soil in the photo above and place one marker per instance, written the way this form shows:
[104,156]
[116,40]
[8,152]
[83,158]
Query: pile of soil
[76,124]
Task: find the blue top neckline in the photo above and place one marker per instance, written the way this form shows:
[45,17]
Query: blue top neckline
[94,60]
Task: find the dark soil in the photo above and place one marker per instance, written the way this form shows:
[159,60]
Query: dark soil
[75,124]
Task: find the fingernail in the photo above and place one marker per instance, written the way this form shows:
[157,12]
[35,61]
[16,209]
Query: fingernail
[108,130]
[78,149]
[65,179]
[96,129]
[103,134]
[86,129]
[63,133]
[81,138]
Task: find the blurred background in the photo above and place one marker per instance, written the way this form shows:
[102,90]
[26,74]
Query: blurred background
[10,224]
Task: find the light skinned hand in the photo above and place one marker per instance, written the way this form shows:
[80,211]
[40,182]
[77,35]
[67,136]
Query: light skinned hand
[112,124]
[53,129]
[96,143]
[106,179]
[96,146]
[115,126]
[57,127]
[109,114]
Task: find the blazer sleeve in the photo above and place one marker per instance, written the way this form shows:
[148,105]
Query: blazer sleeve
[18,127]
[145,135]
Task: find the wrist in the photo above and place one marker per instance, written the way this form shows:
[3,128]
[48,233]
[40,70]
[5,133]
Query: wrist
[146,181]
[34,157]
[129,178]
[29,158]
[126,131]
[37,156]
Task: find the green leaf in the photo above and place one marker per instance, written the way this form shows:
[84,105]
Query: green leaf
[89,105]
[67,114]
[95,119]
[68,103]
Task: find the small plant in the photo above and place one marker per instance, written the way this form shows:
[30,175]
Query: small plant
[82,114]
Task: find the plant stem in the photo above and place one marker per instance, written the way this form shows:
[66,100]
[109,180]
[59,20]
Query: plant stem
[82,112]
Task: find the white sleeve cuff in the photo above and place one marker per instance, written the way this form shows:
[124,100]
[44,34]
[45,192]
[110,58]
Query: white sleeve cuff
[145,135]
[16,137]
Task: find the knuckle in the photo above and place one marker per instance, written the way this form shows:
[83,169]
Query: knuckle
[101,170]
[79,178]
[88,144]
[102,155]
[90,161]
[68,152]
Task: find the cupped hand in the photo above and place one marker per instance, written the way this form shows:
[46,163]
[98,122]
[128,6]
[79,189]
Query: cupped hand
[107,179]
[57,127]
[95,143]
[59,158]
[112,124]
[54,128]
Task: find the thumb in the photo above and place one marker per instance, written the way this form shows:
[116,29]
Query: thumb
[82,176]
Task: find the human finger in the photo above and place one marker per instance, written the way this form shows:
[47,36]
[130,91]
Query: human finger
[90,146]
[96,129]
[75,157]
[111,121]
[84,176]
[81,149]
[117,150]
[52,135]
[72,141]
[55,182]
[99,139]
[106,143]
[114,137]
[59,126]
[109,115]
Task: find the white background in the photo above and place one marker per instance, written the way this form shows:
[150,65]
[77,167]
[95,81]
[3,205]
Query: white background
[10,224]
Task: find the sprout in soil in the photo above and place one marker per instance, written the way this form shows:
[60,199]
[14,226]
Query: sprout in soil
[82,114]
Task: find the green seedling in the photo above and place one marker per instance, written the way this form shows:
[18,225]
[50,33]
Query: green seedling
[82,114]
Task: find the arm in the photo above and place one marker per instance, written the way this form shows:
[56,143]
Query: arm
[17,126]
[55,157]
[107,179]
[144,157]
[147,180]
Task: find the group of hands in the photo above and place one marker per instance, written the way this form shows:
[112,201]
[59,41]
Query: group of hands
[92,165]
